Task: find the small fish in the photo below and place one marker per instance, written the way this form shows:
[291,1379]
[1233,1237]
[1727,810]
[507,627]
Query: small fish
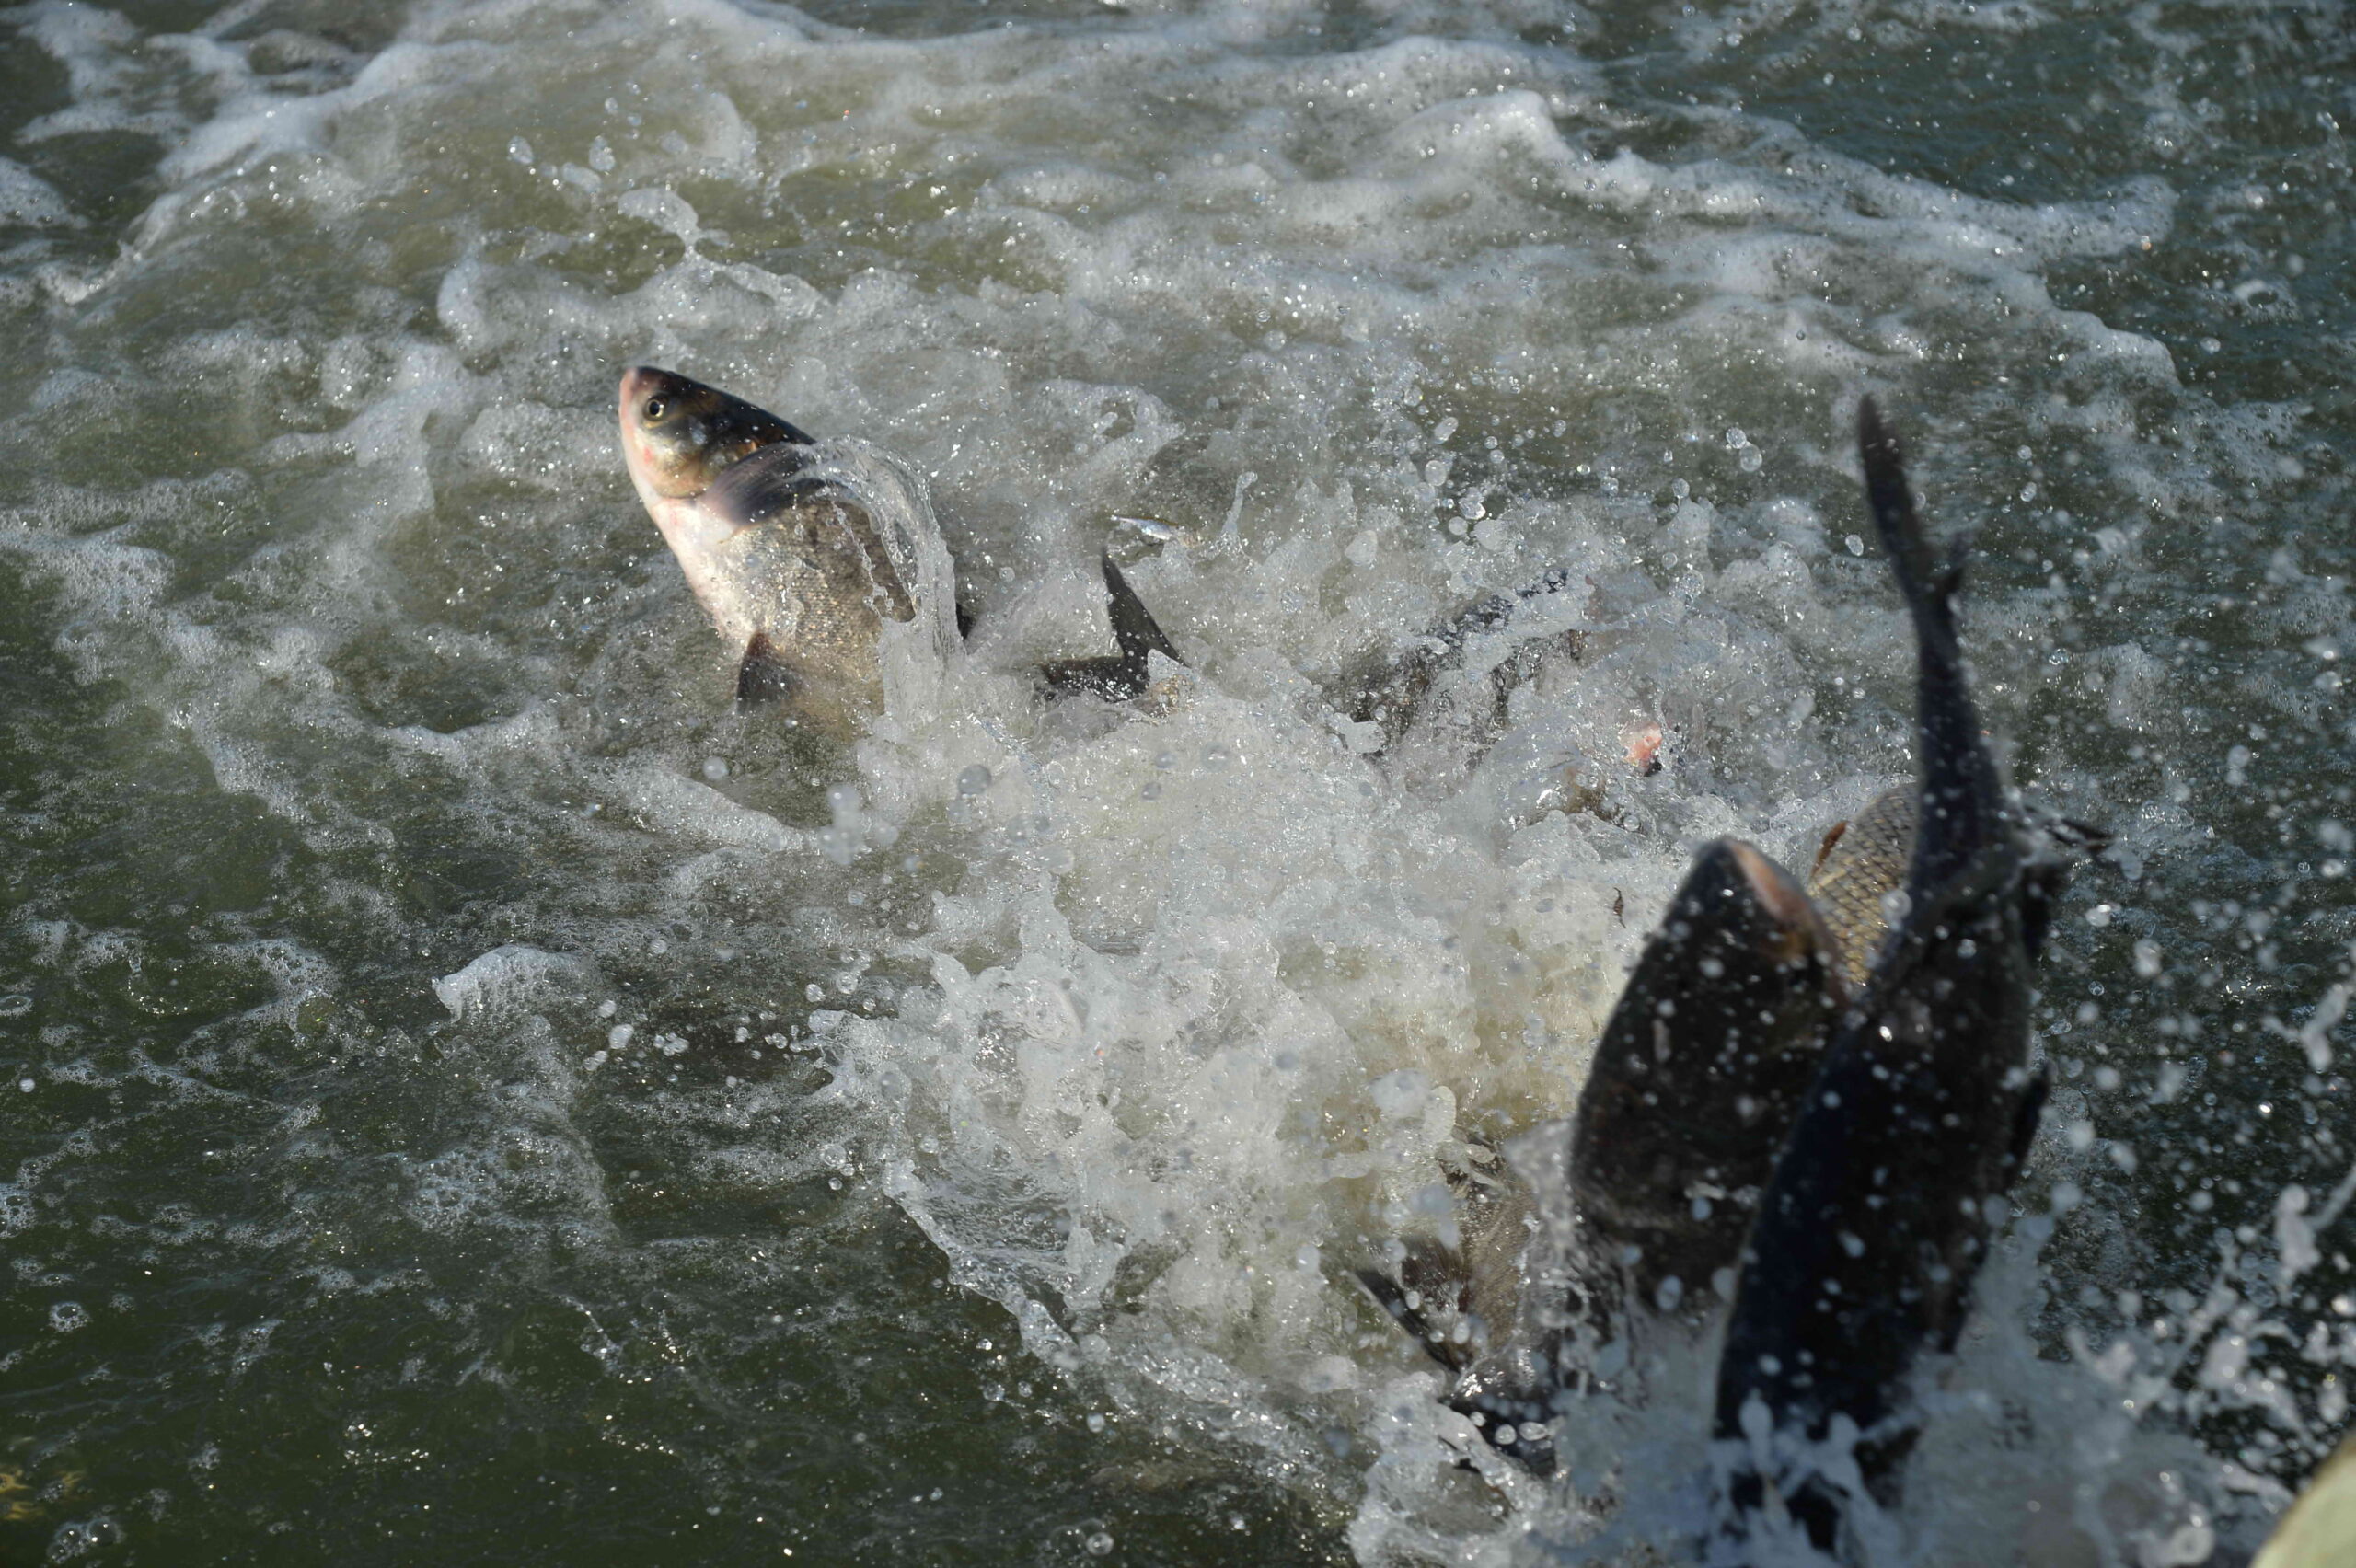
[1875,1221]
[1463,1304]
[1441,703]
[804,551]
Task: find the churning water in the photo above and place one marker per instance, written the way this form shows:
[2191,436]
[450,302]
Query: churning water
[469,1096]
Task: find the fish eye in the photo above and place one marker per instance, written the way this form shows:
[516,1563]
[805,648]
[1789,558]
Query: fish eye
[654,407]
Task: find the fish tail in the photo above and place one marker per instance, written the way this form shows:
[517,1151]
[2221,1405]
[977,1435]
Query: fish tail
[1929,578]
[1134,633]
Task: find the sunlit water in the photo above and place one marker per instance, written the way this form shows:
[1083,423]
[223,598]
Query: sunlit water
[471,1097]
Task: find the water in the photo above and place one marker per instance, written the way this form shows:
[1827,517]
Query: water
[461,1101]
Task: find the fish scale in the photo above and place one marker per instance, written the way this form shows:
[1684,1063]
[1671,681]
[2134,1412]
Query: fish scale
[1859,865]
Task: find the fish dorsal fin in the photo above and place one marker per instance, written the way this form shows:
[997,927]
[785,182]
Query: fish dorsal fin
[763,677]
[1925,573]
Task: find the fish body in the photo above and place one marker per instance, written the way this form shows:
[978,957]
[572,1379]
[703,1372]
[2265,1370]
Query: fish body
[1878,1213]
[798,567]
[1697,1077]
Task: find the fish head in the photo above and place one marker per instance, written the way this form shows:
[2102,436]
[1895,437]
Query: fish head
[679,436]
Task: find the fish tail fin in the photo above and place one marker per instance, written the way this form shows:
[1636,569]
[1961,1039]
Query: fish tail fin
[1927,576]
[1134,633]
[1122,677]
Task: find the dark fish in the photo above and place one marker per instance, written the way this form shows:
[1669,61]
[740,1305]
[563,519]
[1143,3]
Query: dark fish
[1877,1217]
[1694,1082]
[1693,1085]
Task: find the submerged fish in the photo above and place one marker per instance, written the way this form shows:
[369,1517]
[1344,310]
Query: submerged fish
[1442,702]
[1463,1304]
[803,552]
[1877,1217]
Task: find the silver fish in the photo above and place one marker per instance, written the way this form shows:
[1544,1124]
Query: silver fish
[804,551]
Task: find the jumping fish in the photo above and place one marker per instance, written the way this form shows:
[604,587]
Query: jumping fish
[1741,1076]
[1697,1077]
[1878,1215]
[804,551]
[1694,1084]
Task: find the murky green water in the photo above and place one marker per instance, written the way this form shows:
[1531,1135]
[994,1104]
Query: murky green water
[368,772]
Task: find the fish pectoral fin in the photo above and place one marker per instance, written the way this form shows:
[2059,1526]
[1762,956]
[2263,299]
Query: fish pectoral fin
[2056,847]
[1832,835]
[763,678]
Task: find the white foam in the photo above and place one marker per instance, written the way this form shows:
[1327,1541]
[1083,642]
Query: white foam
[504,977]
